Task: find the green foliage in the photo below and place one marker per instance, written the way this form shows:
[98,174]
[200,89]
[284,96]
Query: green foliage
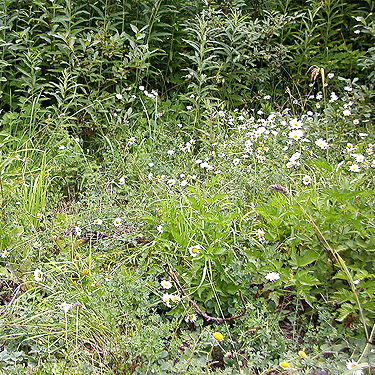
[186,187]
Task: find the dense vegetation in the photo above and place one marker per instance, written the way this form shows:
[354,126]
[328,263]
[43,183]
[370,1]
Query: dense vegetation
[187,187]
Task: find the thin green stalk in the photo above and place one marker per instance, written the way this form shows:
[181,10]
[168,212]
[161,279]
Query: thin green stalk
[343,266]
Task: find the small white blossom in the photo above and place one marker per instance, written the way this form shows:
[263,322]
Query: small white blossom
[117,222]
[38,275]
[65,307]
[194,250]
[306,180]
[166,284]
[191,318]
[160,228]
[272,276]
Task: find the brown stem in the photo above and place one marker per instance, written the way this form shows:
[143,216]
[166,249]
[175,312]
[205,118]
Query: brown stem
[205,316]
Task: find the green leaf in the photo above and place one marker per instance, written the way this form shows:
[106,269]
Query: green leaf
[345,310]
[304,278]
[309,257]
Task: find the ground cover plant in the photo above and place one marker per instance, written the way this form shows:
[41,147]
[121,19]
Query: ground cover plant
[187,187]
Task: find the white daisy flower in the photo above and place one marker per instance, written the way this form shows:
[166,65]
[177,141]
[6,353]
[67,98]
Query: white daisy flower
[98,222]
[171,182]
[322,143]
[351,365]
[167,299]
[272,276]
[166,284]
[261,233]
[296,134]
[38,275]
[119,96]
[194,250]
[306,180]
[65,306]
[160,228]
[355,168]
[117,222]
[192,318]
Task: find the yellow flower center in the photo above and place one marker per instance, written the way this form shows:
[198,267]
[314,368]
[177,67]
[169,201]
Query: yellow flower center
[194,250]
[218,336]
[302,354]
[284,365]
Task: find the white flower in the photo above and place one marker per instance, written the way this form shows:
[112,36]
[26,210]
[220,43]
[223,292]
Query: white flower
[189,107]
[142,88]
[330,75]
[194,250]
[348,88]
[267,97]
[98,222]
[171,182]
[167,299]
[355,168]
[306,180]
[170,152]
[356,121]
[295,156]
[296,134]
[322,143]
[236,161]
[160,228]
[351,365]
[166,284]
[62,147]
[191,318]
[132,140]
[175,298]
[78,231]
[183,183]
[151,165]
[273,276]
[260,233]
[38,275]
[295,124]
[119,96]
[359,158]
[346,112]
[65,306]
[122,180]
[4,253]
[117,222]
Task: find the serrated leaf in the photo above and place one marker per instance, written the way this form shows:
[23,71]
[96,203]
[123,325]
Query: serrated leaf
[304,278]
[345,310]
[309,257]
